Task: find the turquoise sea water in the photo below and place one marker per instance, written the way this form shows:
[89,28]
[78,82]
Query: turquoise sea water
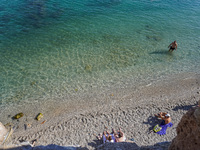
[57,49]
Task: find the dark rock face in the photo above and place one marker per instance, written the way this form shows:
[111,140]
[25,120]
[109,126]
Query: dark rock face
[118,146]
[132,146]
[188,132]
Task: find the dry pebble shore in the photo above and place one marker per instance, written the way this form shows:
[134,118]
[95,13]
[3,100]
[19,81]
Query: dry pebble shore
[134,113]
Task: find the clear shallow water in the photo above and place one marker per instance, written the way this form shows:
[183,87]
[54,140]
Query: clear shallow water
[58,49]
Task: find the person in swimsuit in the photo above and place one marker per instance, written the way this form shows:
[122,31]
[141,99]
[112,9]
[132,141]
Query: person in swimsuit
[173,46]
[107,137]
[164,116]
[119,136]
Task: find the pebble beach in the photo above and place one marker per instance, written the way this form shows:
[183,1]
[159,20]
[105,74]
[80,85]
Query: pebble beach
[93,65]
[133,112]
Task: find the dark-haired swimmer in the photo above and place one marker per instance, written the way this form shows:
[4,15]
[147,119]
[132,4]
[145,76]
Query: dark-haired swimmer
[173,46]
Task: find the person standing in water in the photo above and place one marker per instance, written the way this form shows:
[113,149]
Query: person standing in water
[173,46]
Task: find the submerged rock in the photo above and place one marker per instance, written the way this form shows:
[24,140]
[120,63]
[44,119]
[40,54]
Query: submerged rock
[88,68]
[19,115]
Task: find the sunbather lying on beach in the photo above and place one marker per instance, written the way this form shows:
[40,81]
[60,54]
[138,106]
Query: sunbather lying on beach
[112,137]
[107,137]
[119,136]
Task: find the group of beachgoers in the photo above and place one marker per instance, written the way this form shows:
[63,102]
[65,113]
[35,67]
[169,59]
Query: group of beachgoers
[119,136]
[112,137]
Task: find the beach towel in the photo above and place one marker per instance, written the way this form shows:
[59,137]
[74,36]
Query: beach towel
[164,127]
